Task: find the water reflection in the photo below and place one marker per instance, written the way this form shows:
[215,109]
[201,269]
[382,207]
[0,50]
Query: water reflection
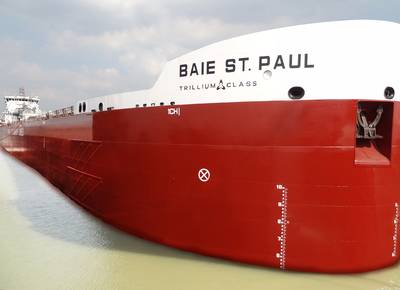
[48,242]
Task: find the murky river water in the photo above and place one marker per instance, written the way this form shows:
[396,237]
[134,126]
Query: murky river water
[48,242]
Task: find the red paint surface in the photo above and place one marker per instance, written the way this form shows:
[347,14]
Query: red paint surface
[138,170]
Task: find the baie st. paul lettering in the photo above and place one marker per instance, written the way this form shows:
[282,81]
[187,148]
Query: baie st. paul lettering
[243,64]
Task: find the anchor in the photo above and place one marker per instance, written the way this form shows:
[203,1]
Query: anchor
[367,130]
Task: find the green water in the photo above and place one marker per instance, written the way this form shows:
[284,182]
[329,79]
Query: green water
[48,242]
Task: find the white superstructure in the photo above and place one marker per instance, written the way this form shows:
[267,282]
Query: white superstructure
[333,60]
[20,107]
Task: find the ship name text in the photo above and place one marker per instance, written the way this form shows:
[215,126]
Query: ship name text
[243,64]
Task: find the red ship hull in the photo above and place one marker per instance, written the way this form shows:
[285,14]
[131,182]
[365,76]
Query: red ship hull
[289,186]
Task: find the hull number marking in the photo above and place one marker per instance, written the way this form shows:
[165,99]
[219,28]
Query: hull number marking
[174,111]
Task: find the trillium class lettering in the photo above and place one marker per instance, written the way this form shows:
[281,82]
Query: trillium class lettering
[220,86]
[243,64]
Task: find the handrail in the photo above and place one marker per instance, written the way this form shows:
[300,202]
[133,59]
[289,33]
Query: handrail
[63,112]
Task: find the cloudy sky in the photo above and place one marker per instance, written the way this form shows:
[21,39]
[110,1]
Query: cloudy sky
[63,50]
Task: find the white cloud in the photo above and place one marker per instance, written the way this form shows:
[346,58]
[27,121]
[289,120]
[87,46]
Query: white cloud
[114,4]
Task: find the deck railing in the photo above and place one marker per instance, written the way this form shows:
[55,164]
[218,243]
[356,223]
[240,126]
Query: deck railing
[68,111]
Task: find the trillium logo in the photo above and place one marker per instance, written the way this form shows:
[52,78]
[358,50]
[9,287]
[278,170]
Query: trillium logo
[221,86]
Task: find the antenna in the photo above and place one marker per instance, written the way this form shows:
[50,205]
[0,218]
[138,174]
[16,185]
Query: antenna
[21,92]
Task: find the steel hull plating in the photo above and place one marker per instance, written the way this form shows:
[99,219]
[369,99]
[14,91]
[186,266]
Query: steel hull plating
[285,189]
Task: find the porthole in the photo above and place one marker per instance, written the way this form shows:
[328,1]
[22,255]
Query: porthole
[161,104]
[80,107]
[84,107]
[296,93]
[172,103]
[137,106]
[144,105]
[101,107]
[389,93]
[153,104]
